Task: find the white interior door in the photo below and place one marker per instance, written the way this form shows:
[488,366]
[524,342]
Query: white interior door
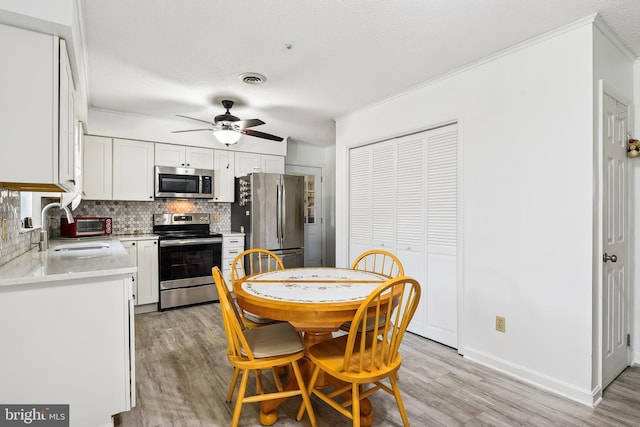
[312,212]
[615,281]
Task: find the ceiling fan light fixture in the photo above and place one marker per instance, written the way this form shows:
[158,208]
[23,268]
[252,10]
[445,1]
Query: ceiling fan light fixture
[227,136]
[252,78]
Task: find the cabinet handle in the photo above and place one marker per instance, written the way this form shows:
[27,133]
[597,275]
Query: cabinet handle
[133,244]
[155,243]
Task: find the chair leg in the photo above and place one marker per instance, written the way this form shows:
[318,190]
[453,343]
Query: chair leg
[240,399]
[276,378]
[355,404]
[312,383]
[396,393]
[259,388]
[232,386]
[306,402]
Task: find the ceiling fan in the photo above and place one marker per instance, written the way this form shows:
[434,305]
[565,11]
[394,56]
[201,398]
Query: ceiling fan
[227,128]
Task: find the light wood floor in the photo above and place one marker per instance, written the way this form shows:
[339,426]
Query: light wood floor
[183,375]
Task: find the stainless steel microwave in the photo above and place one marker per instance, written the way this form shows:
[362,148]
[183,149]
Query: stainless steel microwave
[183,183]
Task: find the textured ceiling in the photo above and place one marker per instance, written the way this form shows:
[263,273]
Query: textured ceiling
[167,57]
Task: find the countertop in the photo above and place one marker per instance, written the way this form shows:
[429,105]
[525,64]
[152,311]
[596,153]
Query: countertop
[49,266]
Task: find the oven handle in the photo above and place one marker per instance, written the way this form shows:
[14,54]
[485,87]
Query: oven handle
[186,242]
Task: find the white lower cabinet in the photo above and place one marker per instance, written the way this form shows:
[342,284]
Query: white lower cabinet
[232,246]
[71,341]
[144,254]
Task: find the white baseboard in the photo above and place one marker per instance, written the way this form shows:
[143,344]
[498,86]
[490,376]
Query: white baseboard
[586,397]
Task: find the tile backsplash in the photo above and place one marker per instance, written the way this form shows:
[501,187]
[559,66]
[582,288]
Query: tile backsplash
[128,218]
[137,217]
[16,242]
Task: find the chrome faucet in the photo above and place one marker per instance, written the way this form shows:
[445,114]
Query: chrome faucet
[44,234]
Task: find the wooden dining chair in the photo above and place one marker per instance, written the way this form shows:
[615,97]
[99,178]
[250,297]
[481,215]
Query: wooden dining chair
[363,360]
[267,347]
[249,263]
[380,262]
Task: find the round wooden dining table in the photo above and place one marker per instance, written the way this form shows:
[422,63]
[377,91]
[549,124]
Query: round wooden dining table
[316,301]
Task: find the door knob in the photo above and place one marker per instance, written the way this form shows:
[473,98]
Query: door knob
[606,257]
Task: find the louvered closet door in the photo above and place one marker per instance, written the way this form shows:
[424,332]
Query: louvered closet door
[410,217]
[383,183]
[403,198]
[360,201]
[441,220]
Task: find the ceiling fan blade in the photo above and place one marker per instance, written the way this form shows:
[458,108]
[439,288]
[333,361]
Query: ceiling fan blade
[193,118]
[190,130]
[243,124]
[260,134]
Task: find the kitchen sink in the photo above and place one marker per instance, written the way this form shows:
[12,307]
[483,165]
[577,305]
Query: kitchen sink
[82,250]
[74,247]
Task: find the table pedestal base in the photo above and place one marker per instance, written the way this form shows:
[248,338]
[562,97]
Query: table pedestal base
[269,408]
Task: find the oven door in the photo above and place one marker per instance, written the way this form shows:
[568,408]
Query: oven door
[188,262]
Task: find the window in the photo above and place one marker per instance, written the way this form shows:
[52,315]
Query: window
[309,199]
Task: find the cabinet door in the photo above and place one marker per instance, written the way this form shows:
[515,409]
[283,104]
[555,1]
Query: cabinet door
[271,164]
[97,168]
[169,155]
[66,151]
[148,284]
[223,182]
[29,86]
[132,250]
[199,158]
[133,170]
[246,163]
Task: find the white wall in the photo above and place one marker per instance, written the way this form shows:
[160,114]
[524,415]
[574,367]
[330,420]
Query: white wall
[302,154]
[526,131]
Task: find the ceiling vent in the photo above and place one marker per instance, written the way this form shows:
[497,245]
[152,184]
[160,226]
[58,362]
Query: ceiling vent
[253,78]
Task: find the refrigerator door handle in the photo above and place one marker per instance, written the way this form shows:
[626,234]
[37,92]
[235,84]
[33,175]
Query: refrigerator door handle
[278,212]
[283,218]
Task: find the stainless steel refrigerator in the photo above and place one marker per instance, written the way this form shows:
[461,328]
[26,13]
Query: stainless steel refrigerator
[269,209]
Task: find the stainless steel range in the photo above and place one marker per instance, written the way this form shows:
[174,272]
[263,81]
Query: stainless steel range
[187,252]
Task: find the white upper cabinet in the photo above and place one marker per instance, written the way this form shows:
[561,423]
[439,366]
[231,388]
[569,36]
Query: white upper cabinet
[183,156]
[133,163]
[37,108]
[254,162]
[224,179]
[98,168]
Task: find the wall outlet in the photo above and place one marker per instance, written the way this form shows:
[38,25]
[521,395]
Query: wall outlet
[501,324]
[216,217]
[4,229]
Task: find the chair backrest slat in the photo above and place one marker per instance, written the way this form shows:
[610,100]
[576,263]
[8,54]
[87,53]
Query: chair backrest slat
[379,261]
[254,261]
[396,300]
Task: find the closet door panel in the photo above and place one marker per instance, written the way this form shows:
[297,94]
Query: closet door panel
[441,220]
[360,201]
[384,195]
